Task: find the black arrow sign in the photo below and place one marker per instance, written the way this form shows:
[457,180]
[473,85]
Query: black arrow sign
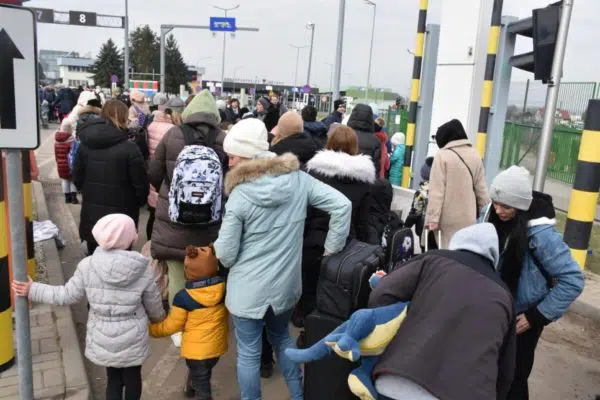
[8,52]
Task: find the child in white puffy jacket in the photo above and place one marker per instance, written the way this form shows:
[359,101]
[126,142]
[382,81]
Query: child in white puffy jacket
[122,296]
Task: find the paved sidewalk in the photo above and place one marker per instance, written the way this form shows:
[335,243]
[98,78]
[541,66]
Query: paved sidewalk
[58,369]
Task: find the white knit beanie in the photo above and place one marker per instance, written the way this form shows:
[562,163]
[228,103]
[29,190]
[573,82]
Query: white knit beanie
[512,188]
[247,139]
[398,138]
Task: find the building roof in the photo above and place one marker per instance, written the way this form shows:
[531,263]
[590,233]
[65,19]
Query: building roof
[75,62]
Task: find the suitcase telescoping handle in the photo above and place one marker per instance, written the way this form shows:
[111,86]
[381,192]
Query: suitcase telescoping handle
[439,239]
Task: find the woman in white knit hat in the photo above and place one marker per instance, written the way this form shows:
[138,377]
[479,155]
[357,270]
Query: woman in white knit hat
[260,241]
[535,264]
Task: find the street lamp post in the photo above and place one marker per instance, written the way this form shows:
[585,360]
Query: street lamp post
[371,3]
[298,48]
[310,26]
[331,87]
[339,47]
[126,48]
[226,10]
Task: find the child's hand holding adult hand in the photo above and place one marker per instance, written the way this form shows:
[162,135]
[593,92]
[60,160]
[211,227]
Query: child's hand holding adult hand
[22,288]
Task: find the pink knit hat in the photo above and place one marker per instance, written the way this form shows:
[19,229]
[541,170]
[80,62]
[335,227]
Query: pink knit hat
[115,232]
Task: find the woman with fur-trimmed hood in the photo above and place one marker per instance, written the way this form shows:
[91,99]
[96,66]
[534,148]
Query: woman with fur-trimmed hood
[343,168]
[260,242]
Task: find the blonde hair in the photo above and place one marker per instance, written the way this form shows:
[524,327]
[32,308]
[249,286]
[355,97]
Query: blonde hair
[176,118]
[116,112]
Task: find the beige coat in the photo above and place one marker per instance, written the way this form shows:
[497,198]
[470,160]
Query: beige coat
[452,202]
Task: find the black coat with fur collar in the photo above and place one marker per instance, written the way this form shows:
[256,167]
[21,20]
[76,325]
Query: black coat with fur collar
[352,176]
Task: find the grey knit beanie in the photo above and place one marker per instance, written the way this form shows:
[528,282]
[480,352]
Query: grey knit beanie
[512,188]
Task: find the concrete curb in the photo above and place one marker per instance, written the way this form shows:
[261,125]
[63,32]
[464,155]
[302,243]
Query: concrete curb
[587,304]
[77,386]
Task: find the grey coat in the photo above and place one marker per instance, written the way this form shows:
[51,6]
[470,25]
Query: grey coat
[120,288]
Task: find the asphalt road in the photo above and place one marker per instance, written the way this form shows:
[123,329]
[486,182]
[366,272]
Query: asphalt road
[567,364]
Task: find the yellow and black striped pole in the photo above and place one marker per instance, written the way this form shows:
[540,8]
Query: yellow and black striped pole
[584,196]
[488,80]
[414,92]
[28,207]
[7,352]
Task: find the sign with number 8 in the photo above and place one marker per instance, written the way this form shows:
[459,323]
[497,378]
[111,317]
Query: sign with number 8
[82,18]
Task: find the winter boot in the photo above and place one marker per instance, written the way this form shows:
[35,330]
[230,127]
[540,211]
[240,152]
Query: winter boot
[74,198]
[68,198]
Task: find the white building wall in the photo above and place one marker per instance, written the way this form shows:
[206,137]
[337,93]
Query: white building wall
[69,76]
[461,63]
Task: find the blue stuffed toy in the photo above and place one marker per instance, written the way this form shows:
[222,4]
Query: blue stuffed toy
[366,334]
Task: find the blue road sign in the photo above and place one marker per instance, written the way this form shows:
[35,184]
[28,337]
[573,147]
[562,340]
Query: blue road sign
[222,24]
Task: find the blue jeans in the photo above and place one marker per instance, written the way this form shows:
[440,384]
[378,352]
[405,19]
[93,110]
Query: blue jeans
[248,333]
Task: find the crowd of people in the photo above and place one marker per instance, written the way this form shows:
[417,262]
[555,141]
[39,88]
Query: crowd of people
[245,205]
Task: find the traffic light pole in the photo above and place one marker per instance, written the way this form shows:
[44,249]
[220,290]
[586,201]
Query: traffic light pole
[552,97]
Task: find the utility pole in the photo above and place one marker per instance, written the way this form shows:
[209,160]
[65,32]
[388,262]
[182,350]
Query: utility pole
[372,3]
[164,30]
[126,48]
[338,52]
[310,26]
[226,10]
[298,48]
[541,166]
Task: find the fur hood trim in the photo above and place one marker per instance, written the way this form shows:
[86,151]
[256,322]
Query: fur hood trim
[338,164]
[90,109]
[251,170]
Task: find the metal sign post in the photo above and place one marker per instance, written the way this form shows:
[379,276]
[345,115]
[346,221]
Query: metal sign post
[18,130]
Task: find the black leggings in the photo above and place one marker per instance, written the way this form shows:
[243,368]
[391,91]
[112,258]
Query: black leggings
[199,377]
[526,344]
[129,378]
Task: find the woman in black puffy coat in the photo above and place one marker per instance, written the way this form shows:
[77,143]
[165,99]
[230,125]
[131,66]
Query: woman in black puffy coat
[109,170]
[342,167]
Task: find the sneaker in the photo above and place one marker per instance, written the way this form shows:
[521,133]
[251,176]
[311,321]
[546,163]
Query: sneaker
[266,370]
[176,339]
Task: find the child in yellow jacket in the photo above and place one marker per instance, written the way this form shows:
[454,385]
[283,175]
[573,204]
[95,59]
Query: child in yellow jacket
[199,311]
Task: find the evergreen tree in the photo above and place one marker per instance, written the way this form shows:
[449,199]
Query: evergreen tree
[145,52]
[109,62]
[175,68]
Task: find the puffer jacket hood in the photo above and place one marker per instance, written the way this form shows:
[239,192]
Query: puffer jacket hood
[264,182]
[361,118]
[341,165]
[208,296]
[480,239]
[98,133]
[541,211]
[253,170]
[119,267]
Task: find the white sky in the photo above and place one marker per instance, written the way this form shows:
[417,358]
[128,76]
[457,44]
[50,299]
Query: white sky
[267,54]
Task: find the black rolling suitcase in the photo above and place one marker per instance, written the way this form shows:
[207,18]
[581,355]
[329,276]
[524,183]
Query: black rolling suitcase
[342,289]
[344,280]
[326,379]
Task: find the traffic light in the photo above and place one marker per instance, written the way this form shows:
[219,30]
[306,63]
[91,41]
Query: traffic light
[542,27]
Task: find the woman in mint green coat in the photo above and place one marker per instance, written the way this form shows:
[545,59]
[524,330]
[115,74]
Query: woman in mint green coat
[260,241]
